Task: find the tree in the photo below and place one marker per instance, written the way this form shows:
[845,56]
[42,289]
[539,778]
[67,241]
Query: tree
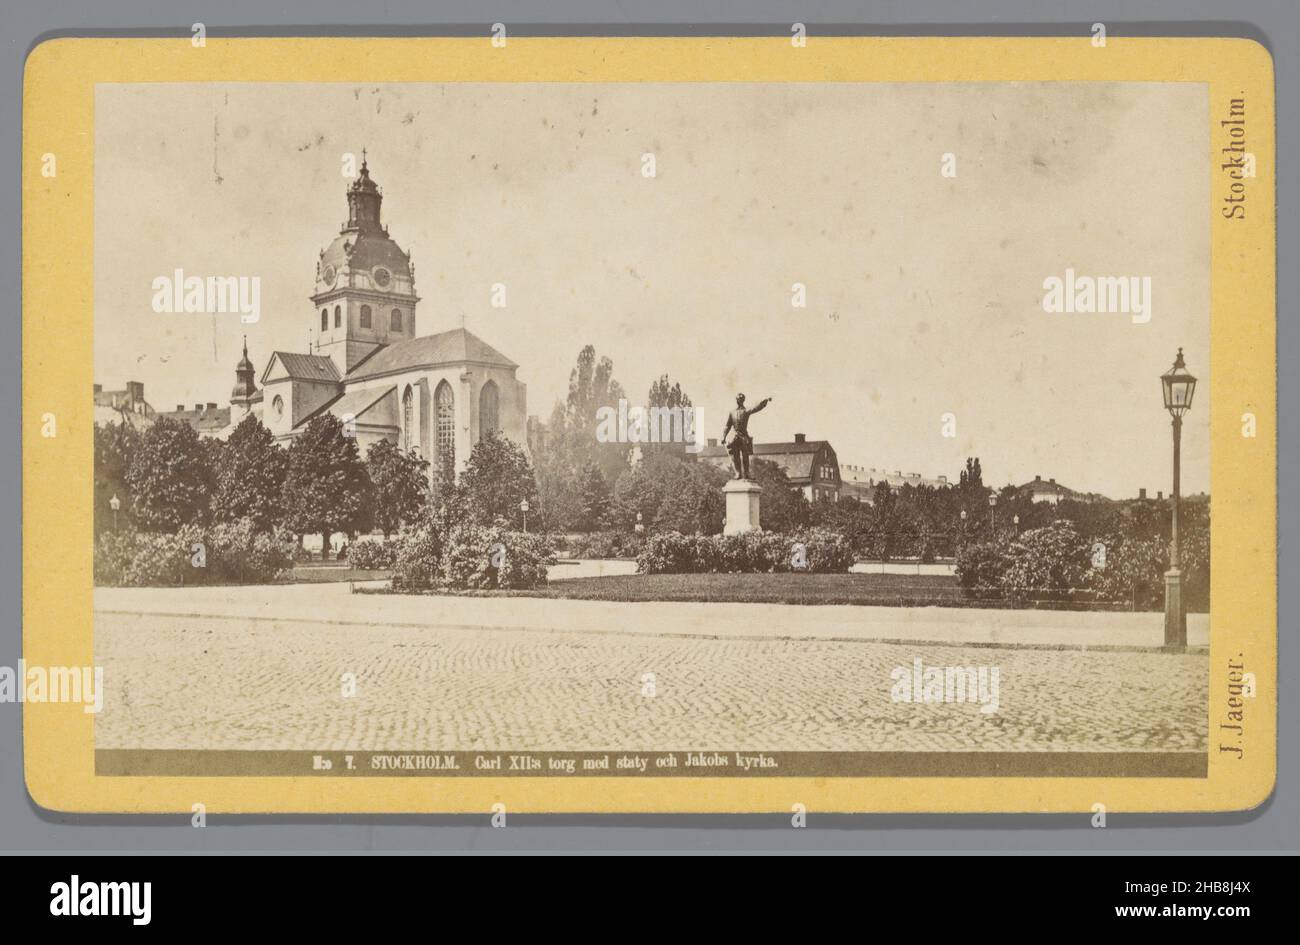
[497,478]
[693,501]
[592,386]
[663,394]
[783,507]
[401,485]
[326,489]
[596,499]
[557,481]
[644,487]
[169,479]
[883,522]
[250,478]
[115,444]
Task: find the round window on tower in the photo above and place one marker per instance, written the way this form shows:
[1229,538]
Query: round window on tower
[277,406]
[328,275]
[382,277]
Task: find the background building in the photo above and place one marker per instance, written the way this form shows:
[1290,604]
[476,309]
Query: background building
[810,465]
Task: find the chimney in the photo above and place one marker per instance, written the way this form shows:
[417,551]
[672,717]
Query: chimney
[99,388]
[799,438]
[212,406]
[898,473]
[198,408]
[1142,493]
[180,408]
[1159,496]
[1038,479]
[1052,481]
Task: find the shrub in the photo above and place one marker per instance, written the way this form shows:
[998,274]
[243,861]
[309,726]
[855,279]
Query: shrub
[114,553]
[1133,572]
[981,566]
[232,552]
[161,559]
[607,544]
[1055,559]
[816,550]
[828,552]
[237,553]
[486,558]
[372,555]
[417,557]
[668,553]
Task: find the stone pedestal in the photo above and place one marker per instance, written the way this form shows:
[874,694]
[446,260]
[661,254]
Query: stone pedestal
[742,506]
[1175,616]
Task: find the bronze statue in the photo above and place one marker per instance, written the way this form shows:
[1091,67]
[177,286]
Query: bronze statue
[741,446]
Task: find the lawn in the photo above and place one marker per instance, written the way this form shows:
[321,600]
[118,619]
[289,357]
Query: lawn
[875,589]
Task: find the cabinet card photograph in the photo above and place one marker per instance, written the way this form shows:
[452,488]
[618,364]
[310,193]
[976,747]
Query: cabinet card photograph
[768,425]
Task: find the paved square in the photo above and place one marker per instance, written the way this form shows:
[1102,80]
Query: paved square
[271,678]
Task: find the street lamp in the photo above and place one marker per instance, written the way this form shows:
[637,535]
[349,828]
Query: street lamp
[993,511]
[1179,386]
[115,503]
[639,528]
[1015,520]
[523,508]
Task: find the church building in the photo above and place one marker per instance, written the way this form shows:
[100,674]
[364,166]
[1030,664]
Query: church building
[438,394]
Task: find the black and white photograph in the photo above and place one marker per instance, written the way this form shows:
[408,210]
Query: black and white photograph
[679,430]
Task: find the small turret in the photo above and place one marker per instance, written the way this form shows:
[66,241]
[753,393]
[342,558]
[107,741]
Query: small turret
[245,386]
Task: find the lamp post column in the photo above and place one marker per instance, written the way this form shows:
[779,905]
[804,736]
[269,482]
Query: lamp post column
[1175,616]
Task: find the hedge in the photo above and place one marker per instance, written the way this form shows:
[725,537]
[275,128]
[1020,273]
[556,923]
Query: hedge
[814,550]
[1056,562]
[368,555]
[472,557]
[229,553]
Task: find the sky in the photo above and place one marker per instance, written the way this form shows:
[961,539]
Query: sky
[924,292]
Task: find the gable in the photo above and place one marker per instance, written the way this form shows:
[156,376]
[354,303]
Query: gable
[289,365]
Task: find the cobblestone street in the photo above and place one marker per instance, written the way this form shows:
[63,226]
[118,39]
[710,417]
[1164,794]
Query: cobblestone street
[275,682]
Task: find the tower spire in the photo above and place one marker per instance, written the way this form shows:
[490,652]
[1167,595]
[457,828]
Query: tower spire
[364,199]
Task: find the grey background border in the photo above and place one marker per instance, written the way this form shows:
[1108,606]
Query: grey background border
[1274,826]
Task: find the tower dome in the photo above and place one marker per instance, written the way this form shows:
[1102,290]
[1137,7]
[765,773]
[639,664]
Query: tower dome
[364,294]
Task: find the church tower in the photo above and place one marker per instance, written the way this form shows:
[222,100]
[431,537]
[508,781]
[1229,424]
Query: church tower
[365,284]
[244,395]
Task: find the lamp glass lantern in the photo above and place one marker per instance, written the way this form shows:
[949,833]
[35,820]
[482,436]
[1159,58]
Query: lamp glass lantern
[1179,387]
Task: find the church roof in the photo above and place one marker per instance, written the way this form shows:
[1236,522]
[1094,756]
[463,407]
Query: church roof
[364,250]
[303,367]
[457,346]
[361,403]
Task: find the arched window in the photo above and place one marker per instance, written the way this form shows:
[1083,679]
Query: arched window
[489,401]
[408,418]
[395,322]
[445,402]
[324,319]
[365,316]
[338,316]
